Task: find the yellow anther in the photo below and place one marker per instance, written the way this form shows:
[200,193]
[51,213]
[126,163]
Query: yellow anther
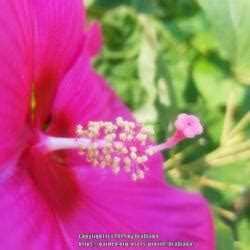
[132,125]
[133,155]
[129,137]
[89,157]
[102,164]
[118,145]
[133,149]
[105,151]
[110,143]
[79,130]
[139,160]
[95,152]
[122,136]
[119,121]
[127,161]
[107,124]
[93,124]
[101,123]
[90,151]
[134,177]
[79,127]
[91,134]
[147,130]
[108,159]
[141,137]
[144,158]
[150,151]
[116,159]
[140,174]
[127,168]
[109,127]
[123,150]
[127,128]
[100,157]
[109,137]
[81,151]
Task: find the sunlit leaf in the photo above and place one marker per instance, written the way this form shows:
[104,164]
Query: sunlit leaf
[210,81]
[234,173]
[244,232]
[230,20]
[154,76]
[146,70]
[224,237]
[204,41]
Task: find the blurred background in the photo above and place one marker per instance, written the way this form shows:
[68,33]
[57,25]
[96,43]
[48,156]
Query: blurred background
[164,57]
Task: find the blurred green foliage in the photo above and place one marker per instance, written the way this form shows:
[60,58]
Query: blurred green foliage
[164,57]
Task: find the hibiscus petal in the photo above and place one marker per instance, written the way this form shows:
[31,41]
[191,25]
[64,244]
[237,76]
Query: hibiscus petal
[26,220]
[15,74]
[39,41]
[93,39]
[59,37]
[91,200]
[115,204]
[83,96]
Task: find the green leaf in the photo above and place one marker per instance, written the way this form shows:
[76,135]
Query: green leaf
[234,173]
[147,71]
[154,77]
[108,4]
[234,176]
[118,61]
[224,237]
[122,34]
[243,230]
[177,8]
[203,42]
[211,82]
[230,21]
[146,7]
[213,119]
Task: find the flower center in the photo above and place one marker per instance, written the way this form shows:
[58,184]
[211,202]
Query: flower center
[123,145]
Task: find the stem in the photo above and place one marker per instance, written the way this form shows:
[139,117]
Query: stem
[218,161]
[235,139]
[228,116]
[204,181]
[240,126]
[229,150]
[220,156]
[231,158]
[231,216]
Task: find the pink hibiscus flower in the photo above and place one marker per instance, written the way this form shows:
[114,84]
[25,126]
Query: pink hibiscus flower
[49,196]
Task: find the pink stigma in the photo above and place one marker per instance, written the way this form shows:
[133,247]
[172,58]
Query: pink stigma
[189,125]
